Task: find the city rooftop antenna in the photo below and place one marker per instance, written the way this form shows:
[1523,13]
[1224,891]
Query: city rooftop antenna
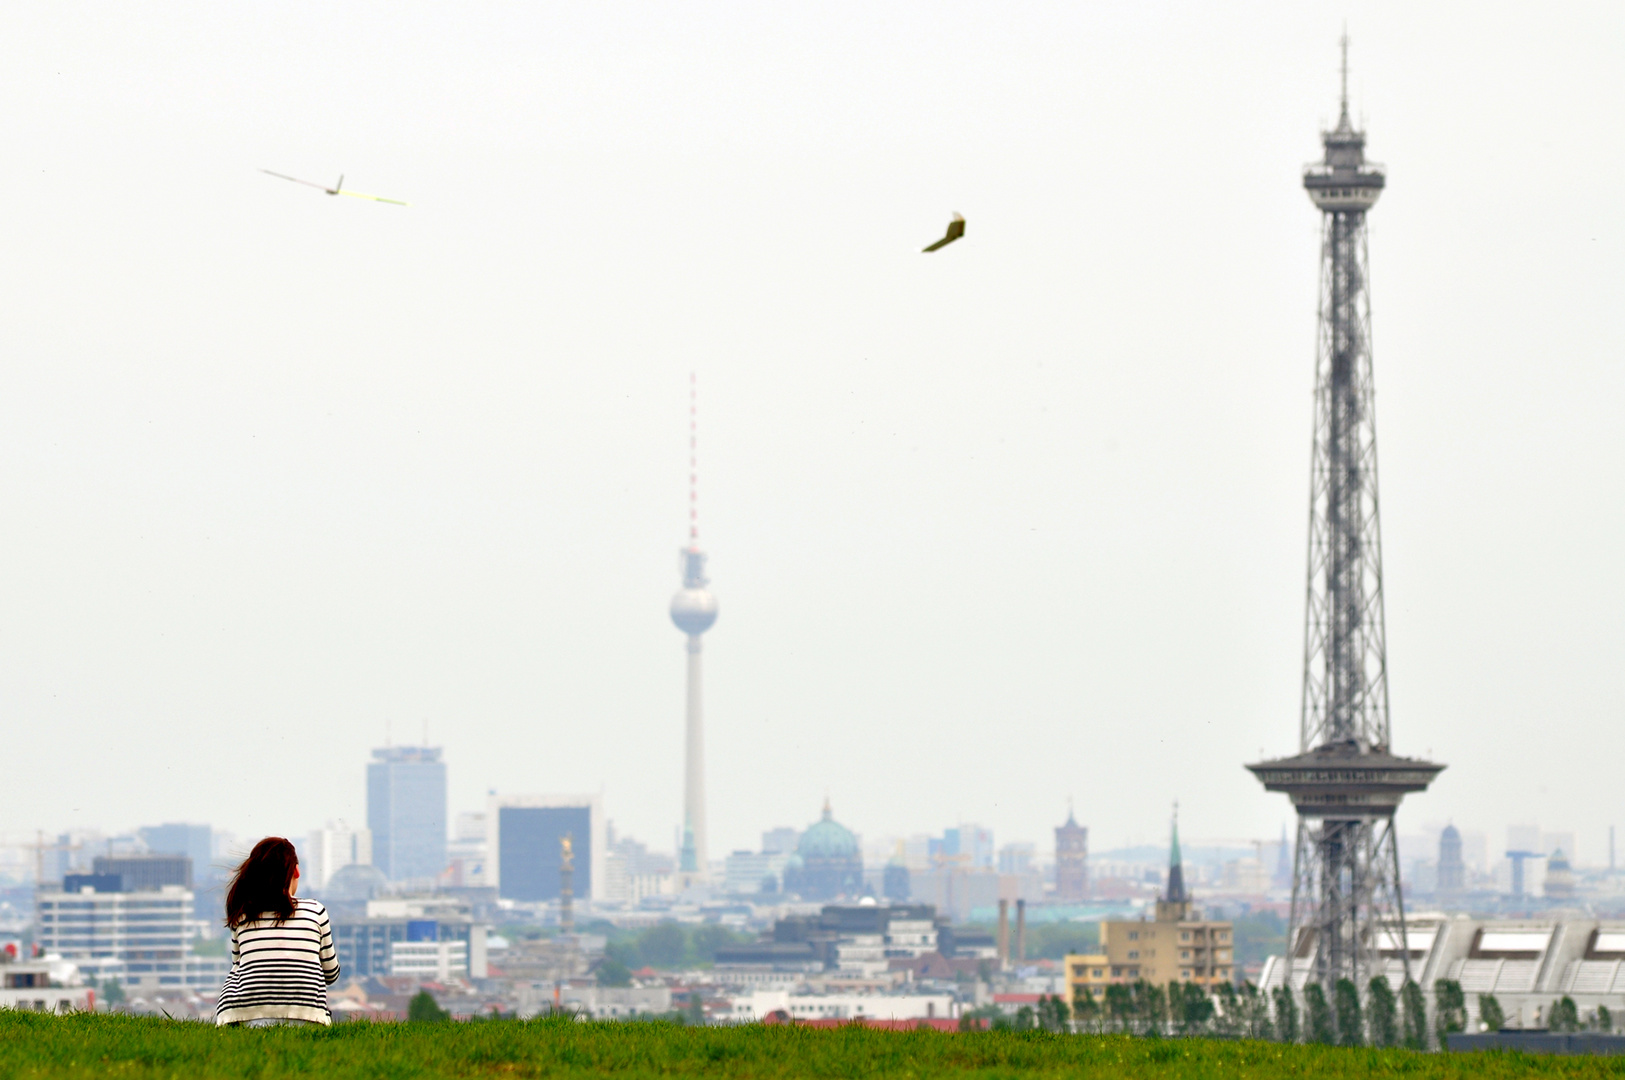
[1344,42]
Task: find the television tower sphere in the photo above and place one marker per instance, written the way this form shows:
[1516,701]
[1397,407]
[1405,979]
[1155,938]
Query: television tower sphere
[694,609]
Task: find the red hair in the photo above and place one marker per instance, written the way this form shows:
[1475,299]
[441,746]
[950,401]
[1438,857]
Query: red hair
[260,885]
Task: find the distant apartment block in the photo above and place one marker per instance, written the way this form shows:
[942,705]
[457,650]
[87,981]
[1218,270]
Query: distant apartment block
[425,937]
[1177,945]
[144,872]
[632,872]
[139,938]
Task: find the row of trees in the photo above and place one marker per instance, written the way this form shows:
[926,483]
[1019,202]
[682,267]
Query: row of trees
[1378,1018]
[1562,1016]
[667,945]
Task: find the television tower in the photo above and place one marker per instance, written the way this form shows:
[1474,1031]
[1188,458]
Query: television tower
[693,609]
[1348,912]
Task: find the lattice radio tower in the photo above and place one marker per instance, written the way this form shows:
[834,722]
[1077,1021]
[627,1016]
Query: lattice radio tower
[1348,913]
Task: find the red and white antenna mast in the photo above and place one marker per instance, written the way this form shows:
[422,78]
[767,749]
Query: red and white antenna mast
[694,459]
[693,610]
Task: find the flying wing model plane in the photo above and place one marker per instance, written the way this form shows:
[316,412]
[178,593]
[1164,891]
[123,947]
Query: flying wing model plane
[956,229]
[336,189]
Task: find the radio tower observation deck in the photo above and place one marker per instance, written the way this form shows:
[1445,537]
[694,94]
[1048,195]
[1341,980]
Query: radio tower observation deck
[694,610]
[1348,912]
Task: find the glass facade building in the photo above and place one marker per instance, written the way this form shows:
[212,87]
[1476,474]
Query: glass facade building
[406,811]
[528,845]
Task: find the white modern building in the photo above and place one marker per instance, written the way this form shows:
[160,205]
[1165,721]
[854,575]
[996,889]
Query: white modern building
[439,961]
[868,956]
[332,848]
[468,851]
[1526,964]
[763,1003]
[621,886]
[143,940]
[44,984]
[618,1002]
[861,956]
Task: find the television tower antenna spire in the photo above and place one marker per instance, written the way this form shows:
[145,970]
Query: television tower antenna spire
[1344,71]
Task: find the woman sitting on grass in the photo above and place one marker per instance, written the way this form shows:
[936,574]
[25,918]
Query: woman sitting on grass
[282,956]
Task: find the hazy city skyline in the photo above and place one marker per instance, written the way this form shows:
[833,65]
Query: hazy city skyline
[1017,521]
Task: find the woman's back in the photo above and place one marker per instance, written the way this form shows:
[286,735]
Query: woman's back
[280,970]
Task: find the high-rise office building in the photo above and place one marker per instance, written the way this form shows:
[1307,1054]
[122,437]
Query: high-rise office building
[196,842]
[1452,870]
[524,834]
[406,811]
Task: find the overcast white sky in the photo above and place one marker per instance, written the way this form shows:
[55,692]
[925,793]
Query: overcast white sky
[1018,521]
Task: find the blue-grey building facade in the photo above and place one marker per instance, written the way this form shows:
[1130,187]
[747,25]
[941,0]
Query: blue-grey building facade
[406,811]
[528,840]
[196,842]
[363,945]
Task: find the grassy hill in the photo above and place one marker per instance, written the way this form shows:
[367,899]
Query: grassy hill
[33,1045]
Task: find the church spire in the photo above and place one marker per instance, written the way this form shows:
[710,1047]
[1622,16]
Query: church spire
[1175,903]
[1176,867]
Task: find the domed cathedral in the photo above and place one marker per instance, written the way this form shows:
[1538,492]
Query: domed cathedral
[827,863]
[1559,877]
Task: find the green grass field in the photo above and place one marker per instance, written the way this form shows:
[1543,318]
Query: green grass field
[33,1045]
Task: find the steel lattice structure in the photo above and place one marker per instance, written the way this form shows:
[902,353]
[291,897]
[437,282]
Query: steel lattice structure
[1347,902]
[1345,673]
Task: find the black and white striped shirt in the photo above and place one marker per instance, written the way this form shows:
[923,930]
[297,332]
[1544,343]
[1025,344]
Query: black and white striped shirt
[281,971]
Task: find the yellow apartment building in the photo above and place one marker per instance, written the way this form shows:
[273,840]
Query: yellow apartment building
[1177,946]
